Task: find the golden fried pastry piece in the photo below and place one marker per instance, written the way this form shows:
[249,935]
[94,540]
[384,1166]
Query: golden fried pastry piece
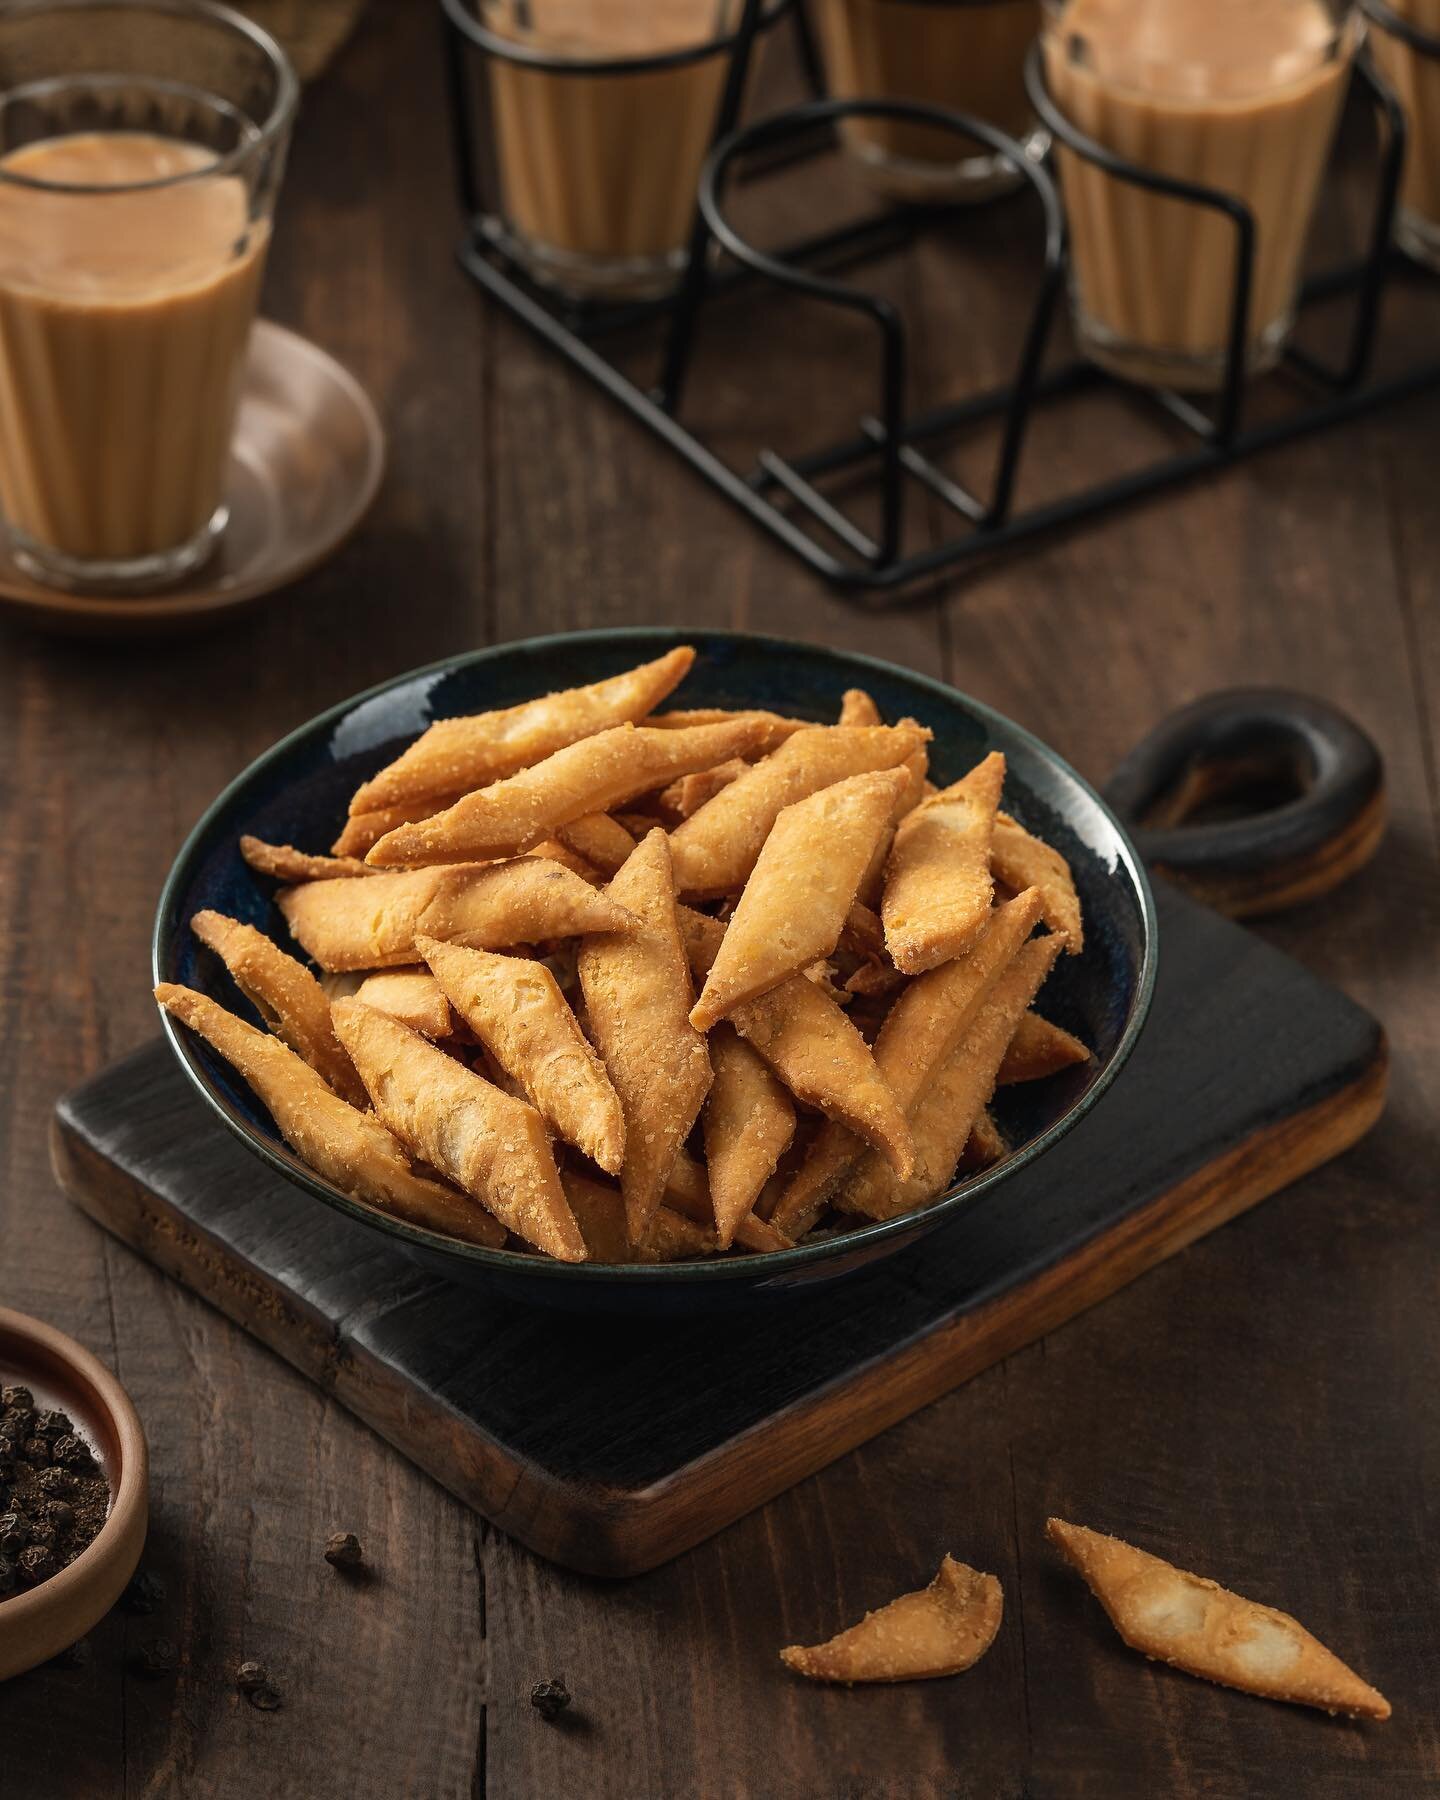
[794,905]
[373,924]
[872,883]
[597,774]
[285,863]
[637,992]
[285,994]
[938,888]
[361,830]
[350,1148]
[814,1049]
[954,1098]
[1019,861]
[603,842]
[491,1146]
[1196,1625]
[690,792]
[1039,1049]
[599,1210]
[857,708]
[456,756]
[943,1629]
[772,729]
[413,996]
[516,1009]
[748,1123]
[688,1192]
[921,1029]
[715,849]
[985,1146]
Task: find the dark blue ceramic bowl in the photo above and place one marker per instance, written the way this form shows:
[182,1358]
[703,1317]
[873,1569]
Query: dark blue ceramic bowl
[297,794]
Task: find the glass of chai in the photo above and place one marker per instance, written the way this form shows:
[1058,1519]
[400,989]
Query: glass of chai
[968,55]
[1409,59]
[603,111]
[141,146]
[1241,96]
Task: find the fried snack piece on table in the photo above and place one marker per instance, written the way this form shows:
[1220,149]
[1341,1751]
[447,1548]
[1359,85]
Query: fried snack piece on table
[794,904]
[1195,1624]
[943,1629]
[516,1009]
[715,849]
[350,1148]
[489,1145]
[285,994]
[636,985]
[937,884]
[373,924]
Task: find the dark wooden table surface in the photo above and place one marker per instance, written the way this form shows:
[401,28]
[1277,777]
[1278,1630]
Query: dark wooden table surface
[1268,1399]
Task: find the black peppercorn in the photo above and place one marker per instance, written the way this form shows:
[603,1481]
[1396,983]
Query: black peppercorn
[53,1480]
[18,1423]
[157,1656]
[15,1397]
[145,1594]
[42,1532]
[251,1675]
[51,1423]
[343,1551]
[60,1514]
[14,1533]
[37,1563]
[550,1698]
[36,1451]
[72,1452]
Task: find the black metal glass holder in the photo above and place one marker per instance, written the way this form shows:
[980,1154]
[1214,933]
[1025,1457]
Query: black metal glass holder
[780,494]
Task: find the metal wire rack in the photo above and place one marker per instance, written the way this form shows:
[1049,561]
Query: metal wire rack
[893,446]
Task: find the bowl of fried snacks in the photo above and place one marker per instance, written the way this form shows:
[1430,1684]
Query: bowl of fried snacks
[627,972]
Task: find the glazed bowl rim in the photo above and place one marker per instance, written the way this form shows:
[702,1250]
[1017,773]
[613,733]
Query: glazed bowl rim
[704,1271]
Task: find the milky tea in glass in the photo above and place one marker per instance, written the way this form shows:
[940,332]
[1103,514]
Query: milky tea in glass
[141,146]
[1236,95]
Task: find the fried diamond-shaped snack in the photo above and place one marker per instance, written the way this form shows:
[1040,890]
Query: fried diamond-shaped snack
[1196,1625]
[941,1630]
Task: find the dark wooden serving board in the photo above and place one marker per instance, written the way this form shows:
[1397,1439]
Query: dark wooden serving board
[612,1447]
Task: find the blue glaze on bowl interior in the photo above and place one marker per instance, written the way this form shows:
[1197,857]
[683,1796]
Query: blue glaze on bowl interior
[297,793]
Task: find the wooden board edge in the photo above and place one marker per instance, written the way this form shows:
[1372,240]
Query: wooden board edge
[633,1533]
[473,1467]
[615,1533]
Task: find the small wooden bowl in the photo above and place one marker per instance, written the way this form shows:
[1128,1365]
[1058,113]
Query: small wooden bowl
[42,1621]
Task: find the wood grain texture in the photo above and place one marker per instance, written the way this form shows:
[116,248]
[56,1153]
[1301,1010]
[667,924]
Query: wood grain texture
[1261,1406]
[613,1448]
